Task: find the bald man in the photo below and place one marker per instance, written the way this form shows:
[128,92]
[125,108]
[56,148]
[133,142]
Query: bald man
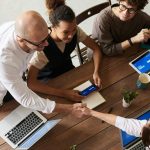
[18,41]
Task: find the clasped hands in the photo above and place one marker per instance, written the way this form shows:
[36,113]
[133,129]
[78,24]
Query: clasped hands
[80,110]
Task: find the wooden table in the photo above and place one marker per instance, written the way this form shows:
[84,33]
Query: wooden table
[89,133]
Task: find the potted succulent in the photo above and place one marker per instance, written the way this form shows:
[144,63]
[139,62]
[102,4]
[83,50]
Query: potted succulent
[128,97]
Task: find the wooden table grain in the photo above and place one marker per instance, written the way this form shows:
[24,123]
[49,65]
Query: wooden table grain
[89,133]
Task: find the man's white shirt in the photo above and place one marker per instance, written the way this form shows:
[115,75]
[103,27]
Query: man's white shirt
[13,62]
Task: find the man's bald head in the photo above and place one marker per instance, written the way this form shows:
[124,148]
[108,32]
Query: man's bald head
[30,24]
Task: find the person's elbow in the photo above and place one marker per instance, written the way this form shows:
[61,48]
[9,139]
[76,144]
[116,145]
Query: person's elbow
[31,85]
[109,51]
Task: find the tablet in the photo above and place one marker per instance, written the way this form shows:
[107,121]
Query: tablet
[142,63]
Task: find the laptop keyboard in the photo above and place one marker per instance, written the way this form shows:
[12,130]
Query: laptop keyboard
[138,146]
[23,128]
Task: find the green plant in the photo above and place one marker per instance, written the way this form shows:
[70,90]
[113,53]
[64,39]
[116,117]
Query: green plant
[129,95]
[73,147]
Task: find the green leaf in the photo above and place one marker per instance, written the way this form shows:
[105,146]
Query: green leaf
[73,147]
[129,95]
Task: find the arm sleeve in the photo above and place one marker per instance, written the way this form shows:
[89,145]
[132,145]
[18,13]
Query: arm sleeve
[130,126]
[18,88]
[102,31]
[146,19]
[38,60]
[81,34]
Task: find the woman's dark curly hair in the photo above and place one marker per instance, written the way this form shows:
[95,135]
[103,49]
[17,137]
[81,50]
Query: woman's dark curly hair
[139,3]
[58,11]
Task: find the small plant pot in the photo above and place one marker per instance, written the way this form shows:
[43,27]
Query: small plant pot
[125,104]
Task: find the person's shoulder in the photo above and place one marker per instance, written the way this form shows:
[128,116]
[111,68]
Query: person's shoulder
[5,27]
[142,14]
[105,13]
[80,30]
[39,54]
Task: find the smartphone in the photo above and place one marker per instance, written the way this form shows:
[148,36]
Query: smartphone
[88,90]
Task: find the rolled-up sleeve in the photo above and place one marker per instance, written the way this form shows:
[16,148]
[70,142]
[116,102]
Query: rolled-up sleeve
[130,126]
[81,34]
[38,60]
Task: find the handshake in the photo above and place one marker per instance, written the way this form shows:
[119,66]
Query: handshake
[80,110]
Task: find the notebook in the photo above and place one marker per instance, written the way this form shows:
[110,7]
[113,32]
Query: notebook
[141,64]
[92,100]
[23,127]
[131,142]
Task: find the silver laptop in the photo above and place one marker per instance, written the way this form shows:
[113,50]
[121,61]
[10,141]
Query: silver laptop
[141,64]
[131,142]
[23,127]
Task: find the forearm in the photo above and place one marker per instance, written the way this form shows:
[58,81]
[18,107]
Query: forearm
[97,56]
[125,45]
[45,89]
[112,49]
[63,108]
[109,118]
[28,98]
[118,48]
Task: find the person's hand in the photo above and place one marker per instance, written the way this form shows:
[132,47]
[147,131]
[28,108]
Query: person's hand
[80,110]
[73,95]
[97,80]
[142,36]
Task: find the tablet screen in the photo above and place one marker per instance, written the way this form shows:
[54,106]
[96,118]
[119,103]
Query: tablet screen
[142,63]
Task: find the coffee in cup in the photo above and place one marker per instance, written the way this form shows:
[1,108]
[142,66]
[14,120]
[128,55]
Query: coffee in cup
[143,81]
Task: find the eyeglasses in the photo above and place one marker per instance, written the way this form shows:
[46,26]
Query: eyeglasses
[39,43]
[130,10]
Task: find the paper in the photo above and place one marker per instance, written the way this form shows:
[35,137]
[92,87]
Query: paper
[93,99]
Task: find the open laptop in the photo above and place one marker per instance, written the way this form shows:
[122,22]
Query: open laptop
[23,127]
[94,98]
[131,142]
[142,63]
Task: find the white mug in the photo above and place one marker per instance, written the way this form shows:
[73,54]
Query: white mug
[143,81]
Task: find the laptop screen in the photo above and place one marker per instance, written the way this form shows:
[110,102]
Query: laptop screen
[142,63]
[126,138]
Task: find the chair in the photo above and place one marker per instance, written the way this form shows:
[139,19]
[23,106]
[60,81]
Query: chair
[82,52]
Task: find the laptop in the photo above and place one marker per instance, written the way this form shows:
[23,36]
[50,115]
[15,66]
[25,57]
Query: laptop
[141,64]
[23,127]
[94,98]
[131,142]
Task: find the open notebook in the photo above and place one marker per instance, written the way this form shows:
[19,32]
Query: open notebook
[94,99]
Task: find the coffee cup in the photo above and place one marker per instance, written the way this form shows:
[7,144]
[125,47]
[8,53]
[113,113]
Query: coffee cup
[143,81]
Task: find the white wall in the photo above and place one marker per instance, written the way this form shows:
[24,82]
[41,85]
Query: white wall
[9,9]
